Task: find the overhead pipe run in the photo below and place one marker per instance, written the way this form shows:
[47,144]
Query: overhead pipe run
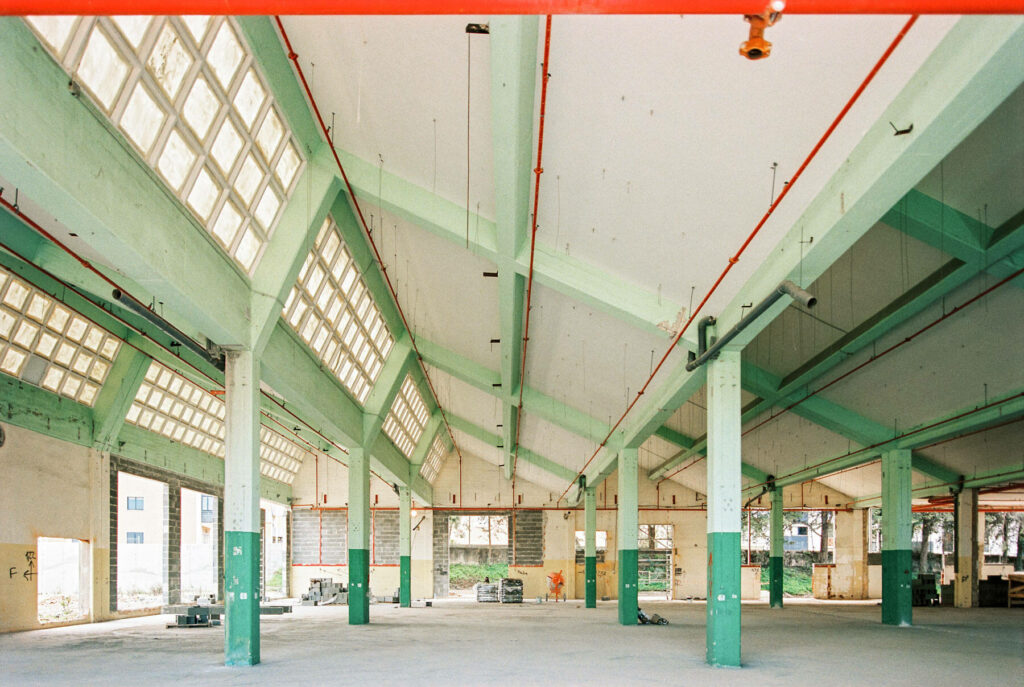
[167,328]
[786,288]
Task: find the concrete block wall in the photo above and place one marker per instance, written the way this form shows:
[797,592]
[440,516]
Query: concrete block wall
[383,576]
[385,537]
[305,537]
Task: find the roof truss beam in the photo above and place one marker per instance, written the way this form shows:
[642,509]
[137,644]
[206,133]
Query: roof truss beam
[558,470]
[513,42]
[946,99]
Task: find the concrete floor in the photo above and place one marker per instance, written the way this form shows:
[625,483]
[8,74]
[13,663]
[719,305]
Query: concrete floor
[460,643]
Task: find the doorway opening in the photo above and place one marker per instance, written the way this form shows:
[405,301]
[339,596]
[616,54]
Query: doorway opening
[142,529]
[275,550]
[199,564]
[654,558]
[477,551]
[63,580]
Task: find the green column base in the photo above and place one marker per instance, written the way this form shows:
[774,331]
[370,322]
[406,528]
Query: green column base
[358,586]
[590,581]
[241,598]
[405,581]
[775,581]
[723,609]
[629,577]
[897,601]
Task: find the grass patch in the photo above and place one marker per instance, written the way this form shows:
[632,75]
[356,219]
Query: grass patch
[796,580]
[465,575]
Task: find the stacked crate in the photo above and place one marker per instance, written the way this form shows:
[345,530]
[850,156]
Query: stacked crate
[511,590]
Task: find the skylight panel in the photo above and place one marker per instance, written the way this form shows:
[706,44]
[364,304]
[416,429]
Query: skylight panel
[407,418]
[171,405]
[45,343]
[280,458]
[435,459]
[322,310]
[187,93]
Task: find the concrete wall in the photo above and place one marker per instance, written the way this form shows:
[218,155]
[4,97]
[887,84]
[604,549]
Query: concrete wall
[850,576]
[53,488]
[72,504]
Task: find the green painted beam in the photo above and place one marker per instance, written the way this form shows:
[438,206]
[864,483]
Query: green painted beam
[108,315]
[362,254]
[534,401]
[39,410]
[278,269]
[49,414]
[974,68]
[513,45]
[525,454]
[972,71]
[938,225]
[399,364]
[426,439]
[598,289]
[267,48]
[838,419]
[117,394]
[1006,240]
[998,410]
[289,367]
[152,239]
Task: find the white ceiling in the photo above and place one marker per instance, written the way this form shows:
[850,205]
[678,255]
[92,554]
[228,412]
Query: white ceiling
[658,148]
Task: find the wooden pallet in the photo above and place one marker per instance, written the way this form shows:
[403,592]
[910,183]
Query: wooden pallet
[1015,594]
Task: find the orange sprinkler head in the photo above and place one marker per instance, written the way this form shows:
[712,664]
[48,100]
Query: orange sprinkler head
[756,47]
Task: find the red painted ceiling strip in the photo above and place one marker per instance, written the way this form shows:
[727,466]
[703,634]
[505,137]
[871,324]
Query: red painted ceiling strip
[489,7]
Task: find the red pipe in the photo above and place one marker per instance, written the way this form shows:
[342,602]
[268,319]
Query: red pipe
[892,348]
[490,7]
[967,413]
[867,362]
[538,170]
[294,57]
[85,263]
[736,258]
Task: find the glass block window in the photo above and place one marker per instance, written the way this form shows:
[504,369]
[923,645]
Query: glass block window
[186,92]
[407,418]
[169,404]
[45,343]
[333,311]
[280,458]
[435,459]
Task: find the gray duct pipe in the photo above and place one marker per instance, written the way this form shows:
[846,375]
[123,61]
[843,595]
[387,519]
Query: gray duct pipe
[786,288]
[167,328]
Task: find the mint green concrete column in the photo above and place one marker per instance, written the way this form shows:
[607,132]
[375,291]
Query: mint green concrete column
[723,609]
[776,555]
[628,531]
[590,547]
[242,509]
[896,531]
[358,537]
[404,547]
